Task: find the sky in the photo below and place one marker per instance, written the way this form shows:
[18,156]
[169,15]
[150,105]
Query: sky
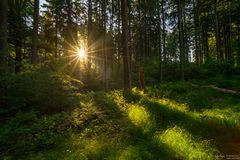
[41,2]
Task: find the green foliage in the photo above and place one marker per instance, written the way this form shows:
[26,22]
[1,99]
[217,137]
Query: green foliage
[40,89]
[27,132]
[193,71]
[172,89]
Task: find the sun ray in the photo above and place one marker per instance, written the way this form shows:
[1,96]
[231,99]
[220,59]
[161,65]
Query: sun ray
[74,67]
[81,53]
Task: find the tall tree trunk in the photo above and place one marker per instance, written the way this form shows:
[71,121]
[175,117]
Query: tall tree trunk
[89,33]
[112,33]
[230,32]
[225,42]
[185,36]
[56,36]
[126,58]
[238,42]
[145,32]
[217,31]
[68,35]
[200,37]
[140,35]
[159,41]
[207,57]
[119,32]
[35,56]
[111,17]
[3,34]
[129,33]
[205,41]
[105,74]
[164,34]
[196,17]
[181,38]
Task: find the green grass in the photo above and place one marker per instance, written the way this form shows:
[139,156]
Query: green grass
[182,143]
[170,121]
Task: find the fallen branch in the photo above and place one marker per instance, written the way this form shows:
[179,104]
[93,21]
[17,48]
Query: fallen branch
[217,88]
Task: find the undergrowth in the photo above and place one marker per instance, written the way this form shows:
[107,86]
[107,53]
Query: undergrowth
[45,115]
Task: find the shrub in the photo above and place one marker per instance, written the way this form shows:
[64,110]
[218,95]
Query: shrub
[27,132]
[40,89]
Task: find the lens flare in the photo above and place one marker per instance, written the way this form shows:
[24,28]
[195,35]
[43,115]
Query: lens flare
[81,53]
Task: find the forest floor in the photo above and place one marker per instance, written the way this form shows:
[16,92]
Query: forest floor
[171,121]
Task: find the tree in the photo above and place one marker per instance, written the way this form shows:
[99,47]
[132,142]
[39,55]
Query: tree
[18,29]
[159,40]
[128,32]
[35,56]
[164,32]
[126,57]
[89,32]
[181,37]
[3,33]
[217,31]
[105,57]
[196,32]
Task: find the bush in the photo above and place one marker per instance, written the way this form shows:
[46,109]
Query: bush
[41,89]
[170,90]
[172,71]
[27,132]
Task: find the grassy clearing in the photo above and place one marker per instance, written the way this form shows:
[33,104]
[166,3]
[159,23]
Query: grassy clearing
[171,121]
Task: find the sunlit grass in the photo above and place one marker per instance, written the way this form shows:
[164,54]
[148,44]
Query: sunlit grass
[140,117]
[225,117]
[184,146]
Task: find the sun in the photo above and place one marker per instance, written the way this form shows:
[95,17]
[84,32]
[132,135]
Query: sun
[81,53]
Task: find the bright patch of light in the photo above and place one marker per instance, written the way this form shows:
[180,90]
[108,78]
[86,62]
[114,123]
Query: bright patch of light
[81,53]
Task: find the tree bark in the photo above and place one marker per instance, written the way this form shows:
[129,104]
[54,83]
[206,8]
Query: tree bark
[129,33]
[35,56]
[140,35]
[119,32]
[105,74]
[205,43]
[230,32]
[181,38]
[89,33]
[164,34]
[126,58]
[159,42]
[68,34]
[3,34]
[196,17]
[217,31]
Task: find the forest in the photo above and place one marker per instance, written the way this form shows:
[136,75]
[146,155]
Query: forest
[119,79]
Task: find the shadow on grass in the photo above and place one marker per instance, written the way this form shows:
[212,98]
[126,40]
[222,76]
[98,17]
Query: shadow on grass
[226,138]
[138,145]
[152,133]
